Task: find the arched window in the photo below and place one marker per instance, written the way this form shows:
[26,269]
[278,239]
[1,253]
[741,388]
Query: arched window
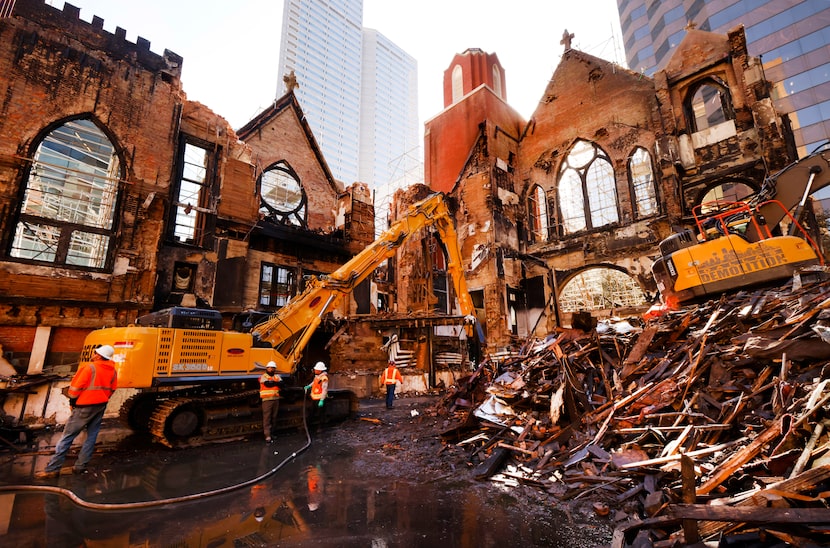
[600,288]
[708,105]
[67,215]
[587,191]
[641,175]
[537,213]
[457,83]
[283,197]
[497,87]
[724,193]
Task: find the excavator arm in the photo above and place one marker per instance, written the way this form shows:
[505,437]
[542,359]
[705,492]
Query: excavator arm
[790,188]
[290,329]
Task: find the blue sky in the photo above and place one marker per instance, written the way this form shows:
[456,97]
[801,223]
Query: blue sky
[231,49]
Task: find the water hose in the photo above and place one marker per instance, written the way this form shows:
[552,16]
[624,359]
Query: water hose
[124,506]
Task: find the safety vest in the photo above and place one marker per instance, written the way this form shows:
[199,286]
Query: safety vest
[391,375]
[94,383]
[319,386]
[268,392]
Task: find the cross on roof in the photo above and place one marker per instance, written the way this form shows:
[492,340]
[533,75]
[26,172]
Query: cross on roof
[566,39]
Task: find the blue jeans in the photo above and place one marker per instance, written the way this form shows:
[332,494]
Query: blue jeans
[89,417]
[390,394]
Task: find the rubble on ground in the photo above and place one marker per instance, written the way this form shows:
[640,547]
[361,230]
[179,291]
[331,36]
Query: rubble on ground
[707,422]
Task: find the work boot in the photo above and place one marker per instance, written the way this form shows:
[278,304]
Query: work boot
[46,474]
[79,470]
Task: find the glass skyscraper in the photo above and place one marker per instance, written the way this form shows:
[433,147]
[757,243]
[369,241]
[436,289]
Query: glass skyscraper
[358,90]
[792,37]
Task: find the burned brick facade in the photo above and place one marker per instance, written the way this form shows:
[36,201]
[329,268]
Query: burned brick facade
[119,196]
[562,215]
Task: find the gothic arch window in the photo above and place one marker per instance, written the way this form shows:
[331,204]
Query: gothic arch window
[497,87]
[537,212]
[283,197]
[67,213]
[587,191]
[641,175]
[708,104]
[457,83]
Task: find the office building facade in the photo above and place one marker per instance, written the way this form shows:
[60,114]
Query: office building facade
[792,37]
[357,89]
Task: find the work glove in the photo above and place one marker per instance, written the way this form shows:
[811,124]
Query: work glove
[306,387]
[321,403]
[73,402]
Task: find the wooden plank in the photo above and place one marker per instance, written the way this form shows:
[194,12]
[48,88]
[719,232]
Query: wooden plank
[749,514]
[740,457]
[687,472]
[640,347]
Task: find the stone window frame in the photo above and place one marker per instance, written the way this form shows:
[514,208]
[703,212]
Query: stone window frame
[457,83]
[60,231]
[441,283]
[293,215]
[592,211]
[279,277]
[538,215]
[643,190]
[696,99]
[191,185]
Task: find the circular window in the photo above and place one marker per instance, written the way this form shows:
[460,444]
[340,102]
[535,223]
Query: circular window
[282,195]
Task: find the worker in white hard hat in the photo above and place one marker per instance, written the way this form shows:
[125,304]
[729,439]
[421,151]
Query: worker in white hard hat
[319,389]
[269,393]
[90,390]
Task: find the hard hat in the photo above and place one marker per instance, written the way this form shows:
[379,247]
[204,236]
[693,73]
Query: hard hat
[270,365]
[105,351]
[319,366]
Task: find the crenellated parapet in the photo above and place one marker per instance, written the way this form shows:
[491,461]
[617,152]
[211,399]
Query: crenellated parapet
[92,36]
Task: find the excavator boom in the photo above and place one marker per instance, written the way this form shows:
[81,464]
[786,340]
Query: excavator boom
[289,329]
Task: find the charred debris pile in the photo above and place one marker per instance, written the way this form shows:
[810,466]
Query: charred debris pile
[710,422]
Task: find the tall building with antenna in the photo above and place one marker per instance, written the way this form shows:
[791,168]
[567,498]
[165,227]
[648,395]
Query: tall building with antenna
[358,90]
[792,37]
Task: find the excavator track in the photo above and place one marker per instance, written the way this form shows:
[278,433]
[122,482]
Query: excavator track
[192,421]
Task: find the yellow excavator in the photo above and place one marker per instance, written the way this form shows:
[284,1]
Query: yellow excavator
[199,383]
[740,244]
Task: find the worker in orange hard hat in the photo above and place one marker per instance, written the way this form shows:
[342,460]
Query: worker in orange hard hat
[269,393]
[89,391]
[390,379]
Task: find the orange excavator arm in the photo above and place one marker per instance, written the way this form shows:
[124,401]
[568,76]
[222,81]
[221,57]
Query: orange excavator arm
[290,329]
[790,187]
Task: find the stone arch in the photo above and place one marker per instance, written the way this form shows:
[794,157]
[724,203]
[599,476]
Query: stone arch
[600,287]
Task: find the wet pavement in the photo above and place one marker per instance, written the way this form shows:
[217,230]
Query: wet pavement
[347,488]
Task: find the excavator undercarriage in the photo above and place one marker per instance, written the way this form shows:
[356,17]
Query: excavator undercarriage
[194,416]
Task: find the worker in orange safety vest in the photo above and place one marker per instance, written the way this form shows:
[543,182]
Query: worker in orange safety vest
[89,391]
[269,393]
[391,378]
[319,390]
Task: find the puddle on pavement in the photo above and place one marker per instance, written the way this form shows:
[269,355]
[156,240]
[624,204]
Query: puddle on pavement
[320,498]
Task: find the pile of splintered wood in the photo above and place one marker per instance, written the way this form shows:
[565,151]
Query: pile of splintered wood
[704,424]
